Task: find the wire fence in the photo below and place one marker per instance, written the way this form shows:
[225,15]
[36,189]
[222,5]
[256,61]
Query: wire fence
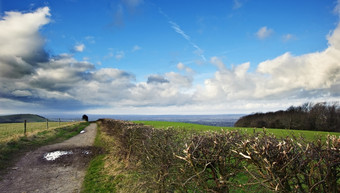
[10,130]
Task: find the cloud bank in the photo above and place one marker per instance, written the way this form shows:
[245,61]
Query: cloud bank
[29,77]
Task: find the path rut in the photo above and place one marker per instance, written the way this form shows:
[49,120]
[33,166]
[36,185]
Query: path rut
[33,173]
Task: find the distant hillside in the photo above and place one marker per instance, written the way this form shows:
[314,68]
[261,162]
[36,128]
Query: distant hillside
[19,118]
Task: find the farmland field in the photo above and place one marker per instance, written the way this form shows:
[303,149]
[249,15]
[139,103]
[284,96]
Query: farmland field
[309,135]
[9,131]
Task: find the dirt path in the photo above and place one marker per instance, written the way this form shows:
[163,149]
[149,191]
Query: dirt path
[34,173]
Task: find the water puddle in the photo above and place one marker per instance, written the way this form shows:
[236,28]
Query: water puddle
[86,152]
[82,131]
[51,156]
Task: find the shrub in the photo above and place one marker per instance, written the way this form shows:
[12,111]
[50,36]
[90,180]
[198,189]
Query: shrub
[169,160]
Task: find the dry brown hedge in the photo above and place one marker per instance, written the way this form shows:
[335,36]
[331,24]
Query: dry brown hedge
[171,160]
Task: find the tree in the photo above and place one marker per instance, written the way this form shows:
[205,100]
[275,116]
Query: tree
[85,118]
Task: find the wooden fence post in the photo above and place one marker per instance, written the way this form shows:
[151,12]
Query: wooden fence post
[46,123]
[59,122]
[25,127]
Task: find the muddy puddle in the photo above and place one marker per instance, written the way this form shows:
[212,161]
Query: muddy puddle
[67,157]
[51,156]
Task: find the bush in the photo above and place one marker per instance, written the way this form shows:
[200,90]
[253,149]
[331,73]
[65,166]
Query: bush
[169,160]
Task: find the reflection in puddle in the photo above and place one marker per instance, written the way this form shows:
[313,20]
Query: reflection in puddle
[55,155]
[86,152]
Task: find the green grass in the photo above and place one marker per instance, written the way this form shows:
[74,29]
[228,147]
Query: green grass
[12,149]
[106,173]
[95,179]
[308,135]
[9,131]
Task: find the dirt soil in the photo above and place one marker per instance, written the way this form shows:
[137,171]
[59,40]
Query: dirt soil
[33,173]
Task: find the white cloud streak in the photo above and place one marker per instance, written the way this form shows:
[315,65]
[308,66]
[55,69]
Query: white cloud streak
[178,30]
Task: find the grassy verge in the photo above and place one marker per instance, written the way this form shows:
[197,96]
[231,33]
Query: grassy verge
[106,173]
[9,150]
[95,179]
[308,135]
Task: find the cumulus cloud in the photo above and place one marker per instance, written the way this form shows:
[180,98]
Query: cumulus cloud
[155,79]
[29,75]
[21,46]
[181,66]
[170,89]
[314,75]
[79,47]
[60,74]
[264,33]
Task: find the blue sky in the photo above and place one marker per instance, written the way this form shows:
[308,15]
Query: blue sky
[168,56]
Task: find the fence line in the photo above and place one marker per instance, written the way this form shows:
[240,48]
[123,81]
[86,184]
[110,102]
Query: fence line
[59,120]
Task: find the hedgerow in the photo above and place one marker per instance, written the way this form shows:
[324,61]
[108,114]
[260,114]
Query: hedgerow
[176,160]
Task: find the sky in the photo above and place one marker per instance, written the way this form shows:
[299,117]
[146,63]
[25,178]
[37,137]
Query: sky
[167,56]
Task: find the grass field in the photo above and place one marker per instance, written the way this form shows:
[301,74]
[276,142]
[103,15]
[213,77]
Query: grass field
[9,131]
[309,135]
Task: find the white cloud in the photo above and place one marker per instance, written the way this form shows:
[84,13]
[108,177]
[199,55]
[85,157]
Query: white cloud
[337,8]
[288,37]
[21,44]
[179,30]
[264,33]
[79,47]
[198,51]
[136,48]
[310,76]
[22,93]
[181,66]
[284,80]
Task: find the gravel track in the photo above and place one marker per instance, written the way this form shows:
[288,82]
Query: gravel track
[33,173]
